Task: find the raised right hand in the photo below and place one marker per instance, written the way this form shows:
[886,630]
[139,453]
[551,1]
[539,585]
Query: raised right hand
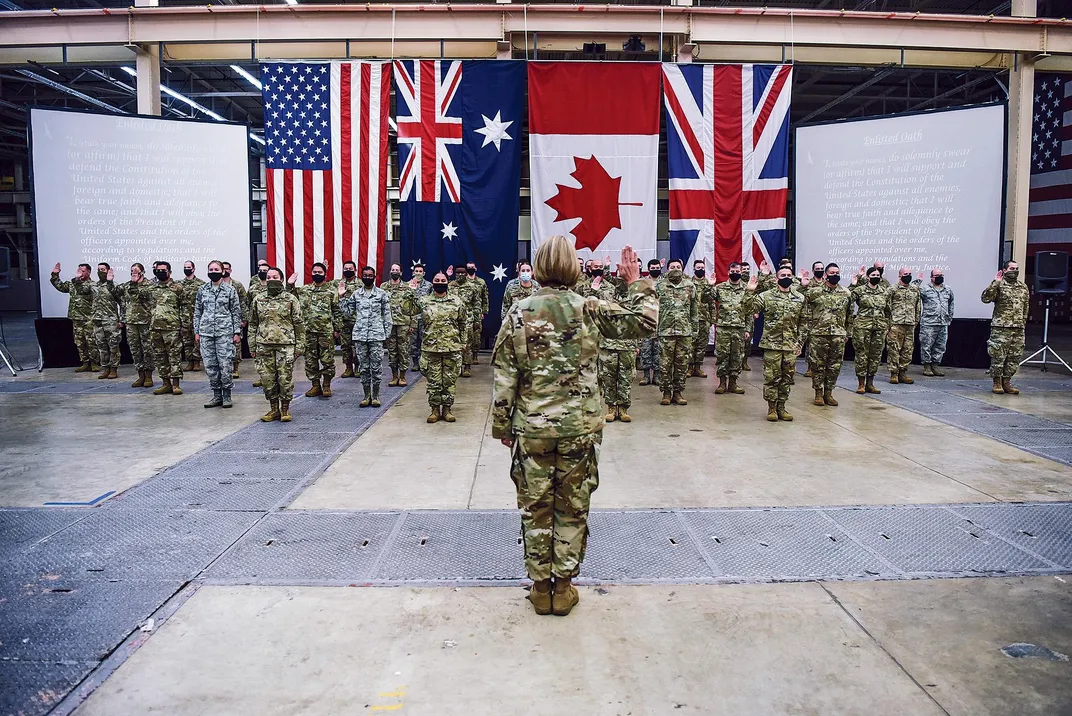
[342,289]
[628,268]
[753,282]
[293,279]
[996,278]
[56,268]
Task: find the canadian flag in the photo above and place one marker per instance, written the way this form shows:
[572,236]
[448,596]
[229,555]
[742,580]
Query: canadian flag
[594,154]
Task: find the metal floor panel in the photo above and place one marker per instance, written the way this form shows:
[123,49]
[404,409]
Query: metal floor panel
[1060,454]
[135,544]
[19,529]
[242,466]
[998,421]
[248,495]
[934,402]
[74,620]
[32,688]
[1032,437]
[308,546]
[1045,530]
[641,546]
[280,437]
[923,540]
[781,544]
[455,546]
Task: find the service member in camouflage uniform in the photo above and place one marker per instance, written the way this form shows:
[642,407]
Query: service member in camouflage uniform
[404,312]
[80,311]
[783,336]
[370,308]
[105,312]
[937,314]
[350,282]
[731,336]
[815,282]
[547,410]
[705,314]
[869,328]
[469,292]
[167,296]
[828,324]
[137,313]
[904,308]
[677,326]
[217,330]
[476,332]
[322,321]
[523,287]
[446,327]
[241,290]
[187,328]
[1011,300]
[616,364]
[421,287]
[257,284]
[749,322]
[649,347]
[275,319]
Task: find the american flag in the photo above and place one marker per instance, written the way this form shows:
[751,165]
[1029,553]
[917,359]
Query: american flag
[1050,213]
[728,161]
[325,133]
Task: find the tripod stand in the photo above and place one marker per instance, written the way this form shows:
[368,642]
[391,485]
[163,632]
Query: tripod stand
[1045,350]
[5,352]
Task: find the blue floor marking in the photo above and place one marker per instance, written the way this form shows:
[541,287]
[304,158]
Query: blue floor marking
[91,503]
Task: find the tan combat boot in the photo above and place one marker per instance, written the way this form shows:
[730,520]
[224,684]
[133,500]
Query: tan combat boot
[433,417]
[376,396]
[402,379]
[645,377]
[937,370]
[678,398]
[148,382]
[165,387]
[564,598]
[466,372]
[540,596]
[1006,385]
[807,373]
[104,373]
[819,397]
[611,414]
[272,414]
[700,372]
[744,364]
[903,377]
[314,391]
[326,390]
[666,398]
[721,388]
[998,387]
[257,383]
[86,367]
[869,386]
[783,414]
[394,379]
[624,416]
[284,411]
[113,373]
[772,411]
[94,367]
[234,372]
[828,398]
[175,389]
[733,387]
[927,369]
[448,416]
[349,372]
[368,397]
[861,387]
[190,366]
[894,379]
[141,379]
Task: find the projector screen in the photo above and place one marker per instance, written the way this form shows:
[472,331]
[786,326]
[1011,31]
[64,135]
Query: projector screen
[923,191]
[123,189]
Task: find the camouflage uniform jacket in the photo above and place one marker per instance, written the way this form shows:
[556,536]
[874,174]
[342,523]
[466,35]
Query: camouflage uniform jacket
[106,299]
[545,359]
[242,297]
[446,324]
[609,290]
[904,304]
[277,320]
[352,285]
[484,295]
[167,303]
[424,288]
[872,310]
[189,296]
[404,306]
[319,306]
[370,309]
[582,285]
[515,292]
[828,311]
[730,302]
[1011,303]
[217,311]
[783,318]
[256,286]
[937,305]
[80,307]
[469,293]
[137,305]
[677,308]
[705,300]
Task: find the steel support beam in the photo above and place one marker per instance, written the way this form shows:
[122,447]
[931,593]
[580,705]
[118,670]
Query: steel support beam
[148,69]
[1021,110]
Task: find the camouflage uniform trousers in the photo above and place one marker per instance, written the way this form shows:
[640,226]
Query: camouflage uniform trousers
[107,335]
[779,373]
[674,354]
[932,341]
[319,356]
[140,343]
[475,329]
[616,370]
[415,338]
[1006,347]
[729,351]
[347,345]
[649,355]
[218,354]
[825,353]
[275,364]
[699,344]
[84,341]
[555,479]
[397,346]
[899,347]
[868,344]
[167,353]
[441,371]
[370,363]
[238,354]
[190,348]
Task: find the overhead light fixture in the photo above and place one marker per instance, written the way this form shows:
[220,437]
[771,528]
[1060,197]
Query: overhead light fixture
[248,77]
[181,97]
[45,68]
[291,2]
[255,138]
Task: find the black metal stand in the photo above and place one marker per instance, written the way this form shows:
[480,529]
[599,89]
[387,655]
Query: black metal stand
[1045,350]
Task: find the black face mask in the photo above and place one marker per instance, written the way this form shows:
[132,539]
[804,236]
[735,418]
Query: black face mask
[874,280]
[261,274]
[655,273]
[349,274]
[834,279]
[785,282]
[214,276]
[319,277]
[906,279]
[395,275]
[188,272]
[597,272]
[227,273]
[368,280]
[939,280]
[735,276]
[471,271]
[161,274]
[818,273]
[699,273]
[439,287]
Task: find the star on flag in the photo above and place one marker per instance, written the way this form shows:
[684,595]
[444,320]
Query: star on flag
[494,131]
[499,272]
[449,231]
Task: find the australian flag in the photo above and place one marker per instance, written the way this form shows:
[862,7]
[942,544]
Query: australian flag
[459,158]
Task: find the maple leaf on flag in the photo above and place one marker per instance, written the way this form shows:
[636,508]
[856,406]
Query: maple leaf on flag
[595,203]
